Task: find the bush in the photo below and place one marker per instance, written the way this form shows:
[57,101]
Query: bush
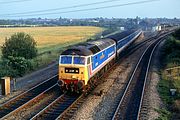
[19,64]
[171,52]
[19,45]
[176,34]
[6,70]
[164,114]
[15,66]
[170,45]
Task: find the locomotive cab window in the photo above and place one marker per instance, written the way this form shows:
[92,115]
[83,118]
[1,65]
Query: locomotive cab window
[66,60]
[79,60]
[88,60]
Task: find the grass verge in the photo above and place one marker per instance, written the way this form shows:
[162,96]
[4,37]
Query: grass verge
[170,79]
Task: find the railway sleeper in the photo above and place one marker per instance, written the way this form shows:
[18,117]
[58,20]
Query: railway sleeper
[58,111]
[68,115]
[5,112]
[50,110]
[74,109]
[22,100]
[18,104]
[55,107]
[64,105]
[53,113]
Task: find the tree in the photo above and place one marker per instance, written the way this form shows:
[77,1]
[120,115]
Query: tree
[19,64]
[19,45]
[176,34]
[6,70]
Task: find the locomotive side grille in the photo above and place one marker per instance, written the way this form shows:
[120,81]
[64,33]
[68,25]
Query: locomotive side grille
[72,70]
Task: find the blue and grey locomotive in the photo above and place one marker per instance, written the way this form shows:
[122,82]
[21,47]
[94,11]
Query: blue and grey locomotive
[79,64]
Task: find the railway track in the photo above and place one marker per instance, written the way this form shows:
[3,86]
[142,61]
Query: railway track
[136,46]
[143,107]
[129,104]
[53,110]
[69,112]
[145,81]
[14,105]
[61,108]
[23,111]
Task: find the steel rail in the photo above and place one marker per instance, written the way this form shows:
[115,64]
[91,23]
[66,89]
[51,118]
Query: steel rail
[146,77]
[41,112]
[53,110]
[131,78]
[13,104]
[133,74]
[29,102]
[75,105]
[147,71]
[80,100]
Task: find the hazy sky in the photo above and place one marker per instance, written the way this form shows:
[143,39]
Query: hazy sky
[159,8]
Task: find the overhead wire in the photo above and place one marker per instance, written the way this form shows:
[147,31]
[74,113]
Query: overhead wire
[62,8]
[13,1]
[87,9]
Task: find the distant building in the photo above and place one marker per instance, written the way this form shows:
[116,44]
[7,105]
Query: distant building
[137,20]
[122,28]
[156,28]
[95,21]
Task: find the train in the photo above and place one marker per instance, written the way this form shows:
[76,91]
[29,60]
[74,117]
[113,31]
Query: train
[80,65]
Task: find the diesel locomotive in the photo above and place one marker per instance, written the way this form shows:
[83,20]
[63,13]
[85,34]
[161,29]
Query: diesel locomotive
[78,65]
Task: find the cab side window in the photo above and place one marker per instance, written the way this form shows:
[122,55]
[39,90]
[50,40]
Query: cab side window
[88,60]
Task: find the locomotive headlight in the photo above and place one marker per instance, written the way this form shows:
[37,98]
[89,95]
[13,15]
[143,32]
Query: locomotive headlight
[73,76]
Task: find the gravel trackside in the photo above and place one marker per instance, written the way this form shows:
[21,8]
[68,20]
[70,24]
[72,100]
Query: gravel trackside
[154,99]
[100,107]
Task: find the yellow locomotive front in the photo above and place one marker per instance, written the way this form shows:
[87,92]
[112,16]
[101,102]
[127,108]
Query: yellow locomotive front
[73,72]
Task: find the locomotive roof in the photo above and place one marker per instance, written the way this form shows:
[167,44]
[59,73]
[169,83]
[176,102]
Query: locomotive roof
[77,50]
[89,48]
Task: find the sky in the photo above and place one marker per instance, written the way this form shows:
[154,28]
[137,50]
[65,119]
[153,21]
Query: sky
[10,9]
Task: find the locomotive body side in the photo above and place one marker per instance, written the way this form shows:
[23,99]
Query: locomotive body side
[100,59]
